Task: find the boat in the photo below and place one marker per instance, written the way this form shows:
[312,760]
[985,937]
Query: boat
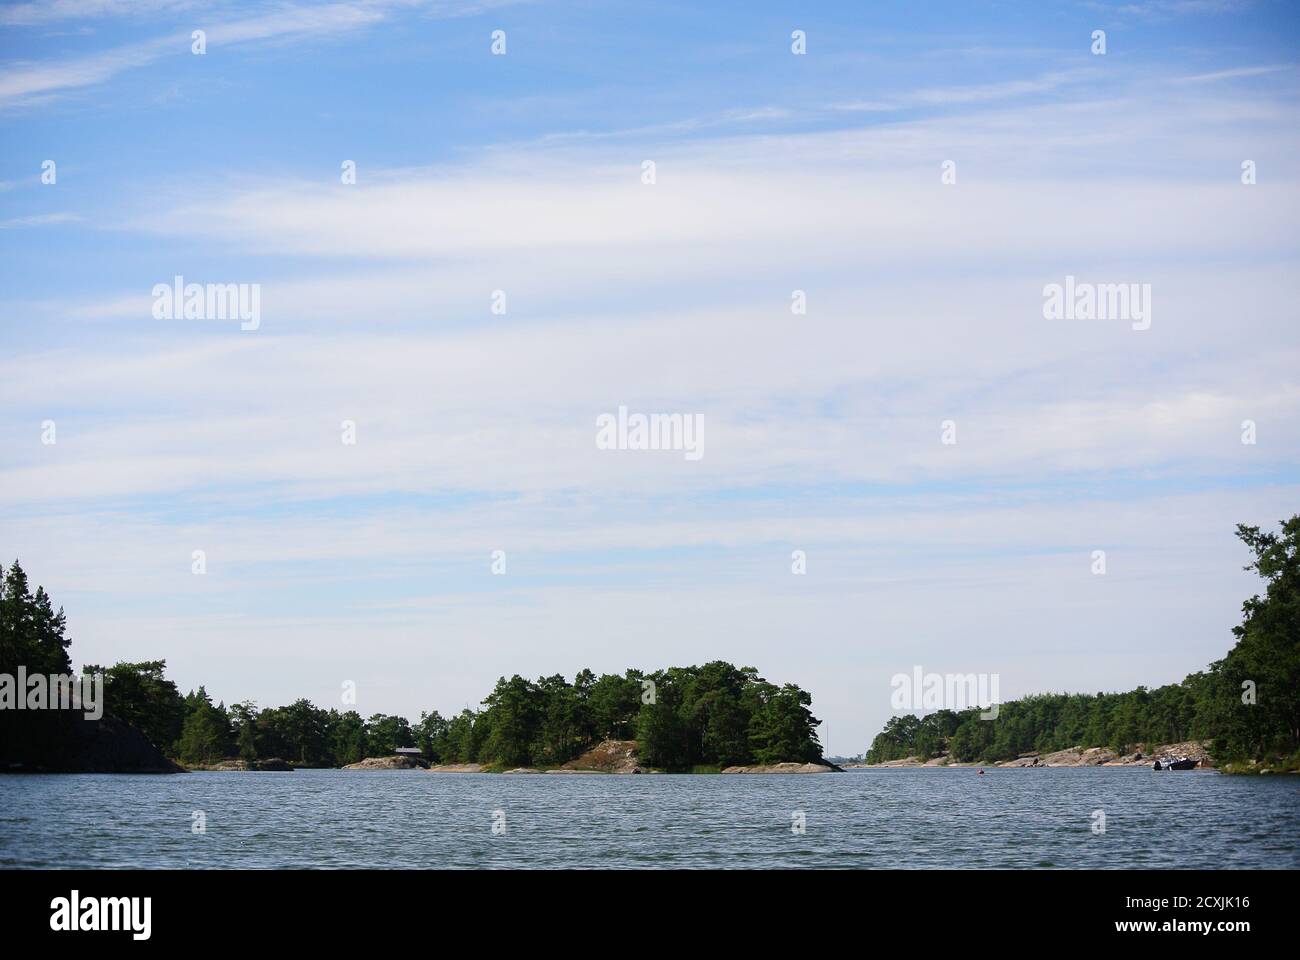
[1174,763]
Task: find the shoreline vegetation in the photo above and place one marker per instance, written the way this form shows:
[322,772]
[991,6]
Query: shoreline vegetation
[1142,756]
[1241,714]
[711,718]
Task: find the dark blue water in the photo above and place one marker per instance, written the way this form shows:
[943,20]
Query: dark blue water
[891,818]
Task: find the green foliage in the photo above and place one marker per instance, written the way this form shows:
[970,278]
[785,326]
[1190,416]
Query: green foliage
[1209,705]
[782,727]
[431,736]
[615,703]
[141,694]
[206,731]
[31,633]
[703,717]
[31,636]
[685,718]
[662,736]
[1266,655]
[516,709]
[348,738]
[243,721]
[384,734]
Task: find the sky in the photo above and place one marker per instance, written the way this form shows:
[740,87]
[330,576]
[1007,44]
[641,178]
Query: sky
[501,274]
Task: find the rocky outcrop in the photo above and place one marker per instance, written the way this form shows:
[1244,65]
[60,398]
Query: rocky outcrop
[396,761]
[608,756]
[1198,750]
[456,768]
[1070,757]
[110,745]
[106,745]
[1030,761]
[270,764]
[783,768]
[1144,755]
[1091,757]
[1135,758]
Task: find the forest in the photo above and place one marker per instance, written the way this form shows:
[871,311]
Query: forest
[1247,704]
[683,718]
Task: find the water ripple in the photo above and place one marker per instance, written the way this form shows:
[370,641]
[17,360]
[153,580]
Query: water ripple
[921,818]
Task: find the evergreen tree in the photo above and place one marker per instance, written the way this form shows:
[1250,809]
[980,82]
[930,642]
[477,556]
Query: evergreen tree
[515,710]
[141,694]
[205,733]
[243,717]
[1258,682]
[348,738]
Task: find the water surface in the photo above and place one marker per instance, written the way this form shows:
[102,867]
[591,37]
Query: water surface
[884,818]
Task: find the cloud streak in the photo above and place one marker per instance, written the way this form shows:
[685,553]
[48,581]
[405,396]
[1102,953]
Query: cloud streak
[23,83]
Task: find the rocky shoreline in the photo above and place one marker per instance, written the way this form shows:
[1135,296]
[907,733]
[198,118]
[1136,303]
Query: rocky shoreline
[608,757]
[106,745]
[269,765]
[1144,756]
[783,768]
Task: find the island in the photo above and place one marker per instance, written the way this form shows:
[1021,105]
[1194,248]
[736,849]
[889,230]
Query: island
[1241,714]
[711,718]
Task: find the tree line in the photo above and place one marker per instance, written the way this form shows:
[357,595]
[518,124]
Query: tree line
[682,717]
[32,634]
[1247,704]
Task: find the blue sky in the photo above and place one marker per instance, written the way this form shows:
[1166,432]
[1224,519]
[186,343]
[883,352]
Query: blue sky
[522,173]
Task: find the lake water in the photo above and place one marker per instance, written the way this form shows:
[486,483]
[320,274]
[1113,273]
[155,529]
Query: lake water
[887,818]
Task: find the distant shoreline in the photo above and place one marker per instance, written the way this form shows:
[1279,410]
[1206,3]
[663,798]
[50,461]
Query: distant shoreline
[1077,756]
[610,757]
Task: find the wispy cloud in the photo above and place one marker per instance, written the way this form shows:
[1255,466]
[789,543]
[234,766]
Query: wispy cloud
[38,220]
[55,11]
[25,82]
[1167,9]
[1235,73]
[983,93]
[476,429]
[968,94]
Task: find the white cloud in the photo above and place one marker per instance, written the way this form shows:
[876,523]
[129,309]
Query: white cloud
[477,432]
[24,83]
[1235,73]
[38,220]
[54,11]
